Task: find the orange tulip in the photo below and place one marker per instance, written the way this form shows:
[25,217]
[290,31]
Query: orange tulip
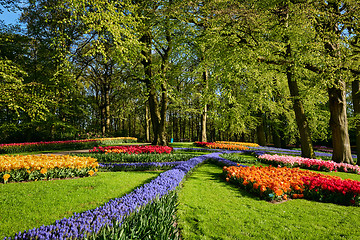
[282,181]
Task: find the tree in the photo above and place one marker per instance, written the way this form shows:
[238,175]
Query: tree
[20,103]
[332,18]
[52,38]
[283,45]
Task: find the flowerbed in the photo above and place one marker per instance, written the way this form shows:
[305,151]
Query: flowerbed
[117,139]
[41,146]
[202,144]
[272,150]
[57,145]
[217,145]
[139,166]
[339,191]
[239,143]
[227,146]
[154,221]
[323,148]
[90,223]
[282,183]
[31,167]
[308,163]
[133,149]
[133,158]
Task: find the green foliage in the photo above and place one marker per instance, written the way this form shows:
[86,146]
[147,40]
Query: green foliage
[80,67]
[156,220]
[17,96]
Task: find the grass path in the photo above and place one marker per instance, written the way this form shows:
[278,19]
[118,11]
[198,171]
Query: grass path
[27,205]
[211,208]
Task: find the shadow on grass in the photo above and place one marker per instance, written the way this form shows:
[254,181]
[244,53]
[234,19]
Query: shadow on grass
[218,177]
[125,193]
[242,192]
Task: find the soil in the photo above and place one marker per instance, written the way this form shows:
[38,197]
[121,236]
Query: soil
[278,202]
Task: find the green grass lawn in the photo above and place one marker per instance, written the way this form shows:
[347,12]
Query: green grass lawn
[27,205]
[182,145]
[210,208]
[191,153]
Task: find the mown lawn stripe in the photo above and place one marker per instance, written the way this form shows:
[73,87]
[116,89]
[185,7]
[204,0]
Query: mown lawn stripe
[211,208]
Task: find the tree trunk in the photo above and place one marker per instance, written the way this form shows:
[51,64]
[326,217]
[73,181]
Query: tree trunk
[183,128]
[337,94]
[204,113]
[260,133]
[147,123]
[176,126]
[213,134]
[192,129]
[162,139]
[123,126]
[339,124]
[301,119]
[356,104]
[103,113]
[203,124]
[129,125]
[155,114]
[107,110]
[157,123]
[134,128]
[276,139]
[307,150]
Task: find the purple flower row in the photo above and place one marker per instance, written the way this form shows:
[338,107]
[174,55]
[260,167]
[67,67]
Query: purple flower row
[199,149]
[224,161]
[139,165]
[316,164]
[273,150]
[81,225]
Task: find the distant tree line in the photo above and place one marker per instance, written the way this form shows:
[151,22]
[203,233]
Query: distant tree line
[281,72]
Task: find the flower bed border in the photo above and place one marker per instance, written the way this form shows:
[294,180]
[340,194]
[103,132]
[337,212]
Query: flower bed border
[89,223]
[82,225]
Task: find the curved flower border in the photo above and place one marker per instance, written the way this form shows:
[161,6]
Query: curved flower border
[82,225]
[308,163]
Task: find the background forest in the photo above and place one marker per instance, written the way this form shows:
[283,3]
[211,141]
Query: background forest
[281,72]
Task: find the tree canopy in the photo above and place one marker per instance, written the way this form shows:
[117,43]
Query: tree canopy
[274,72]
